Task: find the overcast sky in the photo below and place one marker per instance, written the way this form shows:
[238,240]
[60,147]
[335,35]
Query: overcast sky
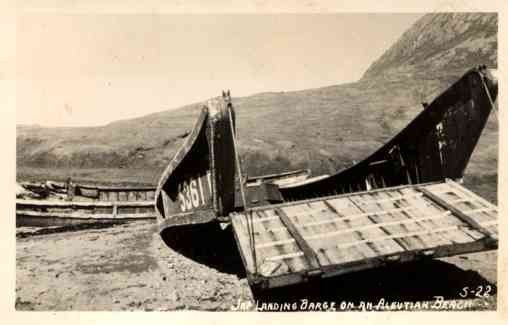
[78,70]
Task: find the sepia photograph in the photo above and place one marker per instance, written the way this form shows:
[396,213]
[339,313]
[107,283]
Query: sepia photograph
[253,162]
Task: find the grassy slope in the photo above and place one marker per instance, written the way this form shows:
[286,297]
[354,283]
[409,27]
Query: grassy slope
[324,129]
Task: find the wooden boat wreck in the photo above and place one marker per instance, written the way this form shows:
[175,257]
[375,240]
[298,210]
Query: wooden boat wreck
[79,191]
[44,213]
[402,203]
[53,203]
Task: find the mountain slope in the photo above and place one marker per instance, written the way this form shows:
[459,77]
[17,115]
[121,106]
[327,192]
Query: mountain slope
[324,129]
[441,45]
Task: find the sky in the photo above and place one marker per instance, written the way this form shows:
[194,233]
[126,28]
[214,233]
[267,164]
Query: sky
[92,69]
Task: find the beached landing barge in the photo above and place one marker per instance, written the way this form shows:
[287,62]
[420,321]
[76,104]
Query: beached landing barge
[402,203]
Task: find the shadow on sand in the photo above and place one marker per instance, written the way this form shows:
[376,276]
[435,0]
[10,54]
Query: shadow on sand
[408,282]
[206,244]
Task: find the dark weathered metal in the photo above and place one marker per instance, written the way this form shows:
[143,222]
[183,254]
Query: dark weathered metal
[436,145]
[201,177]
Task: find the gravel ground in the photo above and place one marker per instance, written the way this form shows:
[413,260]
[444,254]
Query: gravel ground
[127,267]
[118,268]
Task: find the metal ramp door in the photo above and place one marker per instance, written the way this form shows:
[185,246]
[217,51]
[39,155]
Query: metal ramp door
[289,243]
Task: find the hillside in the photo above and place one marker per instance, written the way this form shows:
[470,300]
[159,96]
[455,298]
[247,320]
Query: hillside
[440,46]
[324,129]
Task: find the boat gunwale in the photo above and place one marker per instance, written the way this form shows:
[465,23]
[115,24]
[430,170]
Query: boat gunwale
[183,151]
[433,107]
[334,196]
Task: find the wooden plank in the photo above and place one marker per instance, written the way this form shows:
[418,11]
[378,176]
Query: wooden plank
[327,256]
[354,216]
[395,221]
[378,225]
[415,221]
[122,196]
[305,213]
[397,240]
[422,209]
[78,215]
[396,236]
[262,236]
[242,239]
[297,214]
[462,234]
[259,220]
[346,208]
[294,265]
[474,211]
[456,235]
[489,223]
[442,251]
[66,204]
[386,199]
[458,213]
[285,256]
[271,243]
[486,213]
[451,186]
[309,253]
[135,204]
[468,193]
[36,203]
[117,188]
[462,200]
